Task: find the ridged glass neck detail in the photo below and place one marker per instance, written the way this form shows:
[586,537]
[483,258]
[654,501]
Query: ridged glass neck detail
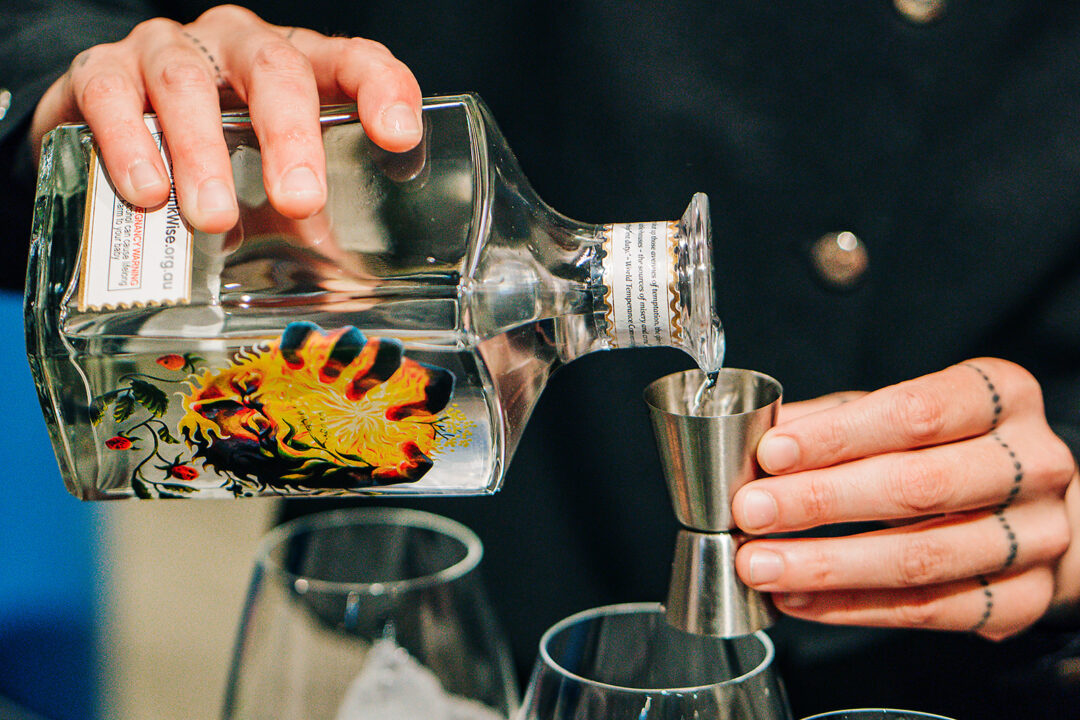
[704,335]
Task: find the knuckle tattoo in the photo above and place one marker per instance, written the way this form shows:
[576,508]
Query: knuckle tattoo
[1010,536]
[995,395]
[1038,590]
[1017,471]
[207,55]
[988,604]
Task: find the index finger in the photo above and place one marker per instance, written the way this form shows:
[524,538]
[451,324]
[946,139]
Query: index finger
[791,410]
[961,401]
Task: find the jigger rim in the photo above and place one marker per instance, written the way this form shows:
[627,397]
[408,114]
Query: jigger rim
[648,608]
[389,516]
[652,388]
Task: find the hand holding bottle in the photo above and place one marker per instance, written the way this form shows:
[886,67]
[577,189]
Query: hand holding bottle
[188,73]
[979,496]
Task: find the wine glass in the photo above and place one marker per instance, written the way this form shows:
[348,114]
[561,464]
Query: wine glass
[876,714]
[625,662]
[368,613]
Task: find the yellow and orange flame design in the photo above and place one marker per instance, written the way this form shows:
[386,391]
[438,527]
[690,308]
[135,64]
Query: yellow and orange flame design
[335,409]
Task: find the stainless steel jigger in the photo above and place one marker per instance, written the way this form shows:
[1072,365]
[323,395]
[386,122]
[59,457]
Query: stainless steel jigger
[708,452]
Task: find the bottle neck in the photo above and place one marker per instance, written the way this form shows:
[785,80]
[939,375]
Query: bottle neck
[598,287]
[655,280]
[640,284]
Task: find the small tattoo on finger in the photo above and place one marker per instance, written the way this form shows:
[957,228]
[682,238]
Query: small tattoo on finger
[995,396]
[1014,491]
[1014,545]
[988,596]
[1017,470]
[209,56]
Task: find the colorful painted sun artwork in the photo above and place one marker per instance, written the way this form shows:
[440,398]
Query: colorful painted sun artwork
[310,410]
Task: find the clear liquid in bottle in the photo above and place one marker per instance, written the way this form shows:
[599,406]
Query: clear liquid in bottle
[394,343]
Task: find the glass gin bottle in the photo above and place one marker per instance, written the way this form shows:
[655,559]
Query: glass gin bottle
[396,342]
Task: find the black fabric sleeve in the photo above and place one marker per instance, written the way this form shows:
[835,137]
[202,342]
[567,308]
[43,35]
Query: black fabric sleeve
[37,43]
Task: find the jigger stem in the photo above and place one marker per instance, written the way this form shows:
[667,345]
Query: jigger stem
[706,596]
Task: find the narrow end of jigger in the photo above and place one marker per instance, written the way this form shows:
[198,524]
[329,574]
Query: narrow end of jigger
[706,596]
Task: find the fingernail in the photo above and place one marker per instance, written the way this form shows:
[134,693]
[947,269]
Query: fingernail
[215,196]
[759,509]
[300,182]
[765,567]
[401,120]
[796,600]
[778,453]
[143,174]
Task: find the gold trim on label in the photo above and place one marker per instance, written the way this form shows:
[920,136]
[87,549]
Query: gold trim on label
[673,286]
[609,294]
[675,330]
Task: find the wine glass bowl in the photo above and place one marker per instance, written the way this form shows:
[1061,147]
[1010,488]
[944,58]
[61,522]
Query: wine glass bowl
[626,661]
[369,613]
